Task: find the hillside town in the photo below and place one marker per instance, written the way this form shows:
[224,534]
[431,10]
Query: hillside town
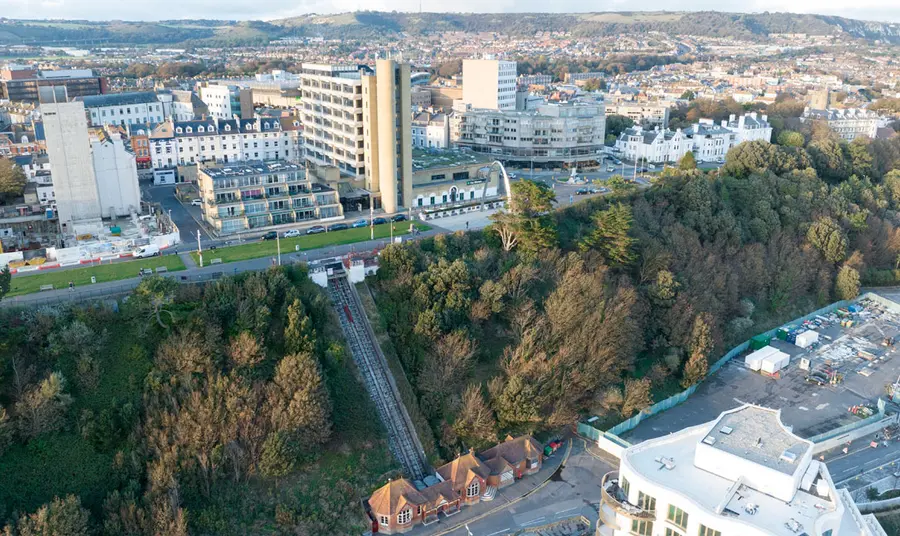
[435,281]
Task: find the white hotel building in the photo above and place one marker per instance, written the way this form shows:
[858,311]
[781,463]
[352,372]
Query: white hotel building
[744,474]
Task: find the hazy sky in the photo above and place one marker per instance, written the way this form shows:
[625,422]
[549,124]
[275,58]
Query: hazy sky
[883,10]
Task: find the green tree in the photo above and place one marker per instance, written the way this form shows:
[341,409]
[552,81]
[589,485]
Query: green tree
[475,424]
[828,237]
[697,364]
[790,138]
[688,94]
[687,162]
[5,281]
[616,124]
[6,431]
[43,408]
[611,235]
[846,283]
[151,299]
[297,400]
[637,396]
[298,331]
[278,458]
[62,517]
[12,180]
[617,183]
[527,222]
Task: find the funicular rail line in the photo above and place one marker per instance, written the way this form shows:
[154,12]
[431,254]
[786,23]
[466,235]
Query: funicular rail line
[360,338]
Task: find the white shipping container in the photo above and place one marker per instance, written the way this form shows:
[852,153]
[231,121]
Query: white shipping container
[754,360]
[775,362]
[807,338]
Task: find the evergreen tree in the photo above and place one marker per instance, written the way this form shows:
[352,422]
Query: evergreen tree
[697,365]
[62,517]
[298,401]
[687,162]
[298,331]
[611,237]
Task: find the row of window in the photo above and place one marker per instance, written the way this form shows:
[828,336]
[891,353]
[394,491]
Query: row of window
[674,515]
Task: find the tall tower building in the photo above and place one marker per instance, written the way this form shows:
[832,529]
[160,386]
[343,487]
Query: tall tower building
[69,150]
[387,132]
[489,84]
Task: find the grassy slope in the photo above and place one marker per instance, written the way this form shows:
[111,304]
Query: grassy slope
[28,283]
[268,248]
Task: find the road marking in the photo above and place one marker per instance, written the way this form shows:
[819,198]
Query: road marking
[823,406]
[567,510]
[535,520]
[501,531]
[802,408]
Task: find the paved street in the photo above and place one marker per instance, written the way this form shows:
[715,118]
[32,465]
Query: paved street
[863,463]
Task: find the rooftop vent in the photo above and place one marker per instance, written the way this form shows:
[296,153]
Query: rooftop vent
[666,463]
[751,508]
[789,456]
[709,440]
[726,430]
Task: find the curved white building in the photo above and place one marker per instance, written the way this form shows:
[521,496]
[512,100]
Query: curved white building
[744,474]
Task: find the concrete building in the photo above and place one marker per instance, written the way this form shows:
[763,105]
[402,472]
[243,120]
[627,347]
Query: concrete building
[255,195]
[123,109]
[225,101]
[387,134]
[449,177]
[21,83]
[187,106]
[642,113]
[489,84]
[657,146]
[115,170]
[69,150]
[444,96]
[431,130]
[526,80]
[710,142]
[743,474]
[420,97]
[554,134]
[749,127]
[572,78]
[332,117]
[848,123]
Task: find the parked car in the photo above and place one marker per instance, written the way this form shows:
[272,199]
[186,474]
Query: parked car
[360,223]
[271,235]
[610,169]
[513,176]
[150,250]
[338,227]
[399,217]
[315,229]
[292,233]
[378,221]
[196,202]
[582,191]
[644,170]
[651,166]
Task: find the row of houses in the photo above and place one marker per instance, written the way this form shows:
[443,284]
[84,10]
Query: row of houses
[708,141]
[400,505]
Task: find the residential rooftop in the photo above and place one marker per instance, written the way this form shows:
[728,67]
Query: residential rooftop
[118,99]
[248,168]
[424,159]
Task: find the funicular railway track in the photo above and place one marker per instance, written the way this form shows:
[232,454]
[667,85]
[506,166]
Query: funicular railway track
[361,339]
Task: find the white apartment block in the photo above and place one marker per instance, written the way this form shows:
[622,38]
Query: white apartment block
[848,123]
[749,127]
[744,474]
[225,101]
[69,150]
[333,117]
[642,113]
[657,146]
[124,109]
[431,130]
[489,84]
[115,170]
[710,142]
[209,140]
[570,133]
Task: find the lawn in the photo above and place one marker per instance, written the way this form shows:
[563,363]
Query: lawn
[59,278]
[268,248]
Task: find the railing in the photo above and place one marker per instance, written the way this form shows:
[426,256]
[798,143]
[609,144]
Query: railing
[620,506]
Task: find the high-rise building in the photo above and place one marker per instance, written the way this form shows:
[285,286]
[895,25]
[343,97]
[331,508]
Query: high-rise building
[225,101]
[387,133]
[69,149]
[333,117]
[489,84]
[115,170]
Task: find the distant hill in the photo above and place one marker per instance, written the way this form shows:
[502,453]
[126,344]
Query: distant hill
[369,24]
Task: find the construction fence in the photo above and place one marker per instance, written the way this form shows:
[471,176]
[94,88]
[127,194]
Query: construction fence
[616,431]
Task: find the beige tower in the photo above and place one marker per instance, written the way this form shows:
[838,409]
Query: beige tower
[387,132]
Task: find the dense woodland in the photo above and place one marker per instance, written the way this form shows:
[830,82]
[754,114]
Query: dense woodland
[226,409]
[618,301]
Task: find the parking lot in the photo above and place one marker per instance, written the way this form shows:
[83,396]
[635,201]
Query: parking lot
[856,355]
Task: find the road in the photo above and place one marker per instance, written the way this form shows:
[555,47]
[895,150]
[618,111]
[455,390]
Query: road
[863,463]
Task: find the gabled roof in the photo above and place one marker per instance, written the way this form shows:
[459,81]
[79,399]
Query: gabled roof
[438,493]
[463,469]
[391,498]
[514,450]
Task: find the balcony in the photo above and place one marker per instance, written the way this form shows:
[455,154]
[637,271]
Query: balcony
[614,503]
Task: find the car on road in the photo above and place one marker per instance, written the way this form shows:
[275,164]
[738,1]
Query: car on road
[513,176]
[399,217]
[271,235]
[644,170]
[292,233]
[582,191]
[196,202]
[338,227]
[316,229]
[359,223]
[651,167]
[610,169]
[150,250]
[378,221]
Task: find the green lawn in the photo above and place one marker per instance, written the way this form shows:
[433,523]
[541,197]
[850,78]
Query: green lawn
[31,282]
[268,248]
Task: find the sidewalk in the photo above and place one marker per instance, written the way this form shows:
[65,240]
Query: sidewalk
[505,498]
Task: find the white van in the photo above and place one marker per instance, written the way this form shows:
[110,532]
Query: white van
[151,250]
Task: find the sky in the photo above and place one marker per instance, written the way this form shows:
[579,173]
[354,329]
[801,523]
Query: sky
[879,10]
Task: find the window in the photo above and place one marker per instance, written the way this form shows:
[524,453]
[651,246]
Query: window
[460,176]
[641,528]
[439,177]
[646,502]
[404,517]
[672,532]
[706,531]
[625,485]
[677,516]
[383,520]
[473,489]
